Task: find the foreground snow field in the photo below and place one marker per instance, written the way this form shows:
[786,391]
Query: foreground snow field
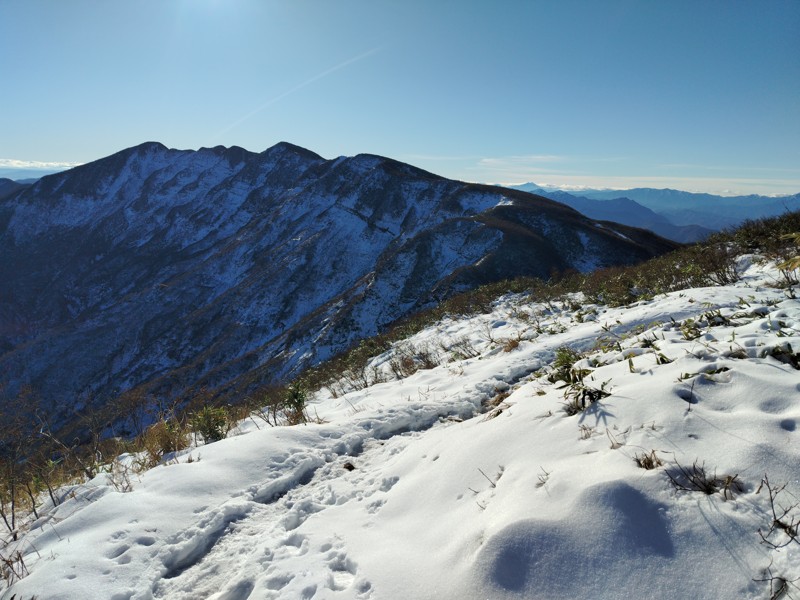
[469,480]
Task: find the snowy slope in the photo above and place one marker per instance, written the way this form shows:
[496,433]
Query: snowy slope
[470,481]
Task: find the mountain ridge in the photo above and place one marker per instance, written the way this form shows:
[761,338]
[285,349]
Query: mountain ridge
[692,215]
[171,269]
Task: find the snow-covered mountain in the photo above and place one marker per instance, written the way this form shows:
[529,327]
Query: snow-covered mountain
[471,480]
[175,269]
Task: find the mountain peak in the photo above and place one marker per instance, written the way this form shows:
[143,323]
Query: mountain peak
[147,147]
[287,147]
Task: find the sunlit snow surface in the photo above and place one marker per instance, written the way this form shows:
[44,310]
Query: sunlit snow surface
[451,500]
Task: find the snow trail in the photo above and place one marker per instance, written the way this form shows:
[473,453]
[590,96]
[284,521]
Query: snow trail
[469,480]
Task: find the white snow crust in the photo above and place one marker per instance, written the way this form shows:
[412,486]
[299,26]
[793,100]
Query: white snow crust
[469,480]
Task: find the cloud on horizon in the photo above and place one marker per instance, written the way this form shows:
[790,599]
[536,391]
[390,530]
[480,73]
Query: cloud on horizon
[577,173]
[13,163]
[709,185]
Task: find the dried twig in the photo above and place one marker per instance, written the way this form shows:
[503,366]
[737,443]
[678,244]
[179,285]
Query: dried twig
[784,519]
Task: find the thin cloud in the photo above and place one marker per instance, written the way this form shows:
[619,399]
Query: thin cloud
[504,171]
[517,161]
[726,168]
[711,185]
[573,188]
[520,167]
[13,163]
[296,88]
[435,157]
[521,160]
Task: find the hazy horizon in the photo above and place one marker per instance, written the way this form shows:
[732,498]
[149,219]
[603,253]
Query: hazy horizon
[25,170]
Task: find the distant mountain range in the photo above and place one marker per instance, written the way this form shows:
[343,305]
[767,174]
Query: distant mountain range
[169,270]
[26,175]
[677,215]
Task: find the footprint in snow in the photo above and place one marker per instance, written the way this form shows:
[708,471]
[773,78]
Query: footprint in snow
[117,552]
[296,543]
[239,591]
[342,576]
[146,540]
[388,483]
[308,592]
[278,582]
[343,571]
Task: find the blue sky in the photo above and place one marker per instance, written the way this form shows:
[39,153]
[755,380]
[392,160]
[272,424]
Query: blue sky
[703,96]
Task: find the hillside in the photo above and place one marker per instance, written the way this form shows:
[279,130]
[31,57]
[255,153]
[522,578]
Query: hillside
[628,212]
[9,186]
[708,210]
[674,214]
[482,476]
[169,271]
